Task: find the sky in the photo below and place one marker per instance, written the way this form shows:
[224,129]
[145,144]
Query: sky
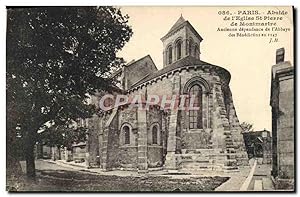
[249,60]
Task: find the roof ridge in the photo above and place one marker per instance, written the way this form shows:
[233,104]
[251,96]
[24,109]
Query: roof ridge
[180,21]
[134,61]
[179,63]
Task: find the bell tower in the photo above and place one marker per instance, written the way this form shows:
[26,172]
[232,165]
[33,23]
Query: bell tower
[182,40]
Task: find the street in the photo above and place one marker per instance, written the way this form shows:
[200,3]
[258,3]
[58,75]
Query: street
[52,177]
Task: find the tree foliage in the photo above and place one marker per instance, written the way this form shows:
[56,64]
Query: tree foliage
[247,127]
[55,57]
[63,135]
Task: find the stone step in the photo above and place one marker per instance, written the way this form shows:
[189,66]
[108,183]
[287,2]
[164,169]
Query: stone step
[257,185]
[228,133]
[229,143]
[267,183]
[196,168]
[209,168]
[230,168]
[194,155]
[230,171]
[193,163]
[197,161]
[232,164]
[206,163]
[201,151]
[216,156]
[230,150]
[232,156]
[230,160]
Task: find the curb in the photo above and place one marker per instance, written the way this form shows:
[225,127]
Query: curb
[247,182]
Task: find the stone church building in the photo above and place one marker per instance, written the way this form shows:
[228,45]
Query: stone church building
[208,138]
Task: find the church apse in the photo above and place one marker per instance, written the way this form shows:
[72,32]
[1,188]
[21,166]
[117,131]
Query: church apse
[206,137]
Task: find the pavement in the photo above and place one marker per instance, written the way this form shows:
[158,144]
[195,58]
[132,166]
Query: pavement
[116,172]
[236,180]
[233,184]
[61,176]
[260,179]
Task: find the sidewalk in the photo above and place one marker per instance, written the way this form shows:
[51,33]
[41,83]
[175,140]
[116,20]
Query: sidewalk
[261,180]
[236,180]
[233,184]
[82,167]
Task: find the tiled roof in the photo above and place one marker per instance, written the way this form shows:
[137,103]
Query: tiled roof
[187,61]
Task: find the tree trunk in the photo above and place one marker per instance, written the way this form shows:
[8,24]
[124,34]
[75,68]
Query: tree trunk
[13,166]
[29,155]
[59,153]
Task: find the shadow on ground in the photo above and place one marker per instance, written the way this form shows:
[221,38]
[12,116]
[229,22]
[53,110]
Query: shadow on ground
[64,181]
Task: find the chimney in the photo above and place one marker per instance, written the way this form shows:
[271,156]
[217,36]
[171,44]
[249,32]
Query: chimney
[279,55]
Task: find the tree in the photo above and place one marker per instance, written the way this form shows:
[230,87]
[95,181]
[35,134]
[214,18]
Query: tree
[56,56]
[63,135]
[247,127]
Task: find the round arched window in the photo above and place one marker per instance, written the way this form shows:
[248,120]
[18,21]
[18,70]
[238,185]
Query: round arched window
[126,132]
[154,134]
[195,115]
[170,51]
[178,49]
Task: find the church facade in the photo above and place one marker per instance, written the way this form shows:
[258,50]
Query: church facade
[208,138]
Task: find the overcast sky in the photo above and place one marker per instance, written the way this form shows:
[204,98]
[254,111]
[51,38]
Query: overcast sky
[249,60]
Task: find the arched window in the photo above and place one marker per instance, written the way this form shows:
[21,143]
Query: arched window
[195,115]
[170,51]
[154,134]
[126,132]
[178,49]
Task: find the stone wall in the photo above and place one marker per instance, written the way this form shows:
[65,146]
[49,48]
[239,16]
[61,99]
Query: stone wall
[221,127]
[93,142]
[128,153]
[113,144]
[285,132]
[128,157]
[155,156]
[283,137]
[196,140]
[144,67]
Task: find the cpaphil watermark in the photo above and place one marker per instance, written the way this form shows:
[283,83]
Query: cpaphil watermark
[166,102]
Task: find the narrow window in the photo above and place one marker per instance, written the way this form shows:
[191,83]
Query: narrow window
[170,55]
[195,116]
[126,134]
[178,49]
[154,134]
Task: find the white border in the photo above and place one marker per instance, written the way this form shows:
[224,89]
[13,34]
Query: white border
[5,3]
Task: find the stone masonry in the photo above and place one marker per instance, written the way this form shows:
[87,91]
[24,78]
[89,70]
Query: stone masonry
[171,139]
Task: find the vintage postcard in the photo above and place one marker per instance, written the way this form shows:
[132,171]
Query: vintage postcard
[150,99]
